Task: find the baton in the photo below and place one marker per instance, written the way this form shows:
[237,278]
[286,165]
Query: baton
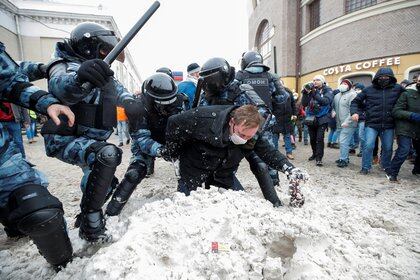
[113,54]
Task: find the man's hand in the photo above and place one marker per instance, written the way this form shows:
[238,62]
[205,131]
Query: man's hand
[293,118]
[344,125]
[94,71]
[333,114]
[297,174]
[55,110]
[355,117]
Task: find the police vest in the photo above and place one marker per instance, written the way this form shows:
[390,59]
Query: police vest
[102,115]
[260,82]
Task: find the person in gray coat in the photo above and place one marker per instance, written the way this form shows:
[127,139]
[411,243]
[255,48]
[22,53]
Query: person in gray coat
[345,124]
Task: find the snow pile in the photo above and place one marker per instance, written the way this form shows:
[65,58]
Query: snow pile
[172,238]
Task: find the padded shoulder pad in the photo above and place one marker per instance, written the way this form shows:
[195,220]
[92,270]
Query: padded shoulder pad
[51,65]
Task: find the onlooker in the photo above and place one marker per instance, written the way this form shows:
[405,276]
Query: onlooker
[407,128]
[317,98]
[189,86]
[404,83]
[12,117]
[122,127]
[358,87]
[345,124]
[302,129]
[31,126]
[333,134]
[379,99]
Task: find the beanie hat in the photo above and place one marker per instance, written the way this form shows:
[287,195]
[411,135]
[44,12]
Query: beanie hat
[193,68]
[359,86]
[348,83]
[320,77]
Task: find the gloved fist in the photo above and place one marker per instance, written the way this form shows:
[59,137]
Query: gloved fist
[297,175]
[415,117]
[94,71]
[164,153]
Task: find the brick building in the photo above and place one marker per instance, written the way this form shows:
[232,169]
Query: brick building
[336,38]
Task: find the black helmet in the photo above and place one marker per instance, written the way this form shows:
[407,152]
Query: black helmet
[252,58]
[165,70]
[161,88]
[216,73]
[91,40]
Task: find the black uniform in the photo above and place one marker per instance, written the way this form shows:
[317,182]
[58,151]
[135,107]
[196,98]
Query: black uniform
[200,138]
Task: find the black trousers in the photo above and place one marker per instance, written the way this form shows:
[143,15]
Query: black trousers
[316,135]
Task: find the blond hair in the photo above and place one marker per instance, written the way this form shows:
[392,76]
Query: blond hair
[248,116]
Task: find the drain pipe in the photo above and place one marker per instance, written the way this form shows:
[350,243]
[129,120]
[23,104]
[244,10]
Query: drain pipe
[22,58]
[298,48]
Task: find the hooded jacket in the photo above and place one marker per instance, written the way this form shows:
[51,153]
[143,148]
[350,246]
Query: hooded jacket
[378,102]
[408,103]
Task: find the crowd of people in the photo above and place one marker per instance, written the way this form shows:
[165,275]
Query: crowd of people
[358,116]
[205,126]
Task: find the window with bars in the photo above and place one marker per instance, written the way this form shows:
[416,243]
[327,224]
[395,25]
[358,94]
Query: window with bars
[355,5]
[264,40]
[314,15]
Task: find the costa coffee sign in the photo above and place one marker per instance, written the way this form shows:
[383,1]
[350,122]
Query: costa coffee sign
[381,62]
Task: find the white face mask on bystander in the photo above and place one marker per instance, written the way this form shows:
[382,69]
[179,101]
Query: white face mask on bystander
[343,88]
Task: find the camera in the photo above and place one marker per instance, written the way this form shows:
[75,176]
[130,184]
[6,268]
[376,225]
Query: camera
[309,86]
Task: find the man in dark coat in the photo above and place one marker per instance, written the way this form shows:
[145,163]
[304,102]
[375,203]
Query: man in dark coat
[377,101]
[211,141]
[407,128]
[317,97]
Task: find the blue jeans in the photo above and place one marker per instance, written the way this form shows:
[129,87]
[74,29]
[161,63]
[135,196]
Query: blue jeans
[287,142]
[30,131]
[16,133]
[387,139]
[404,146]
[362,140]
[354,143]
[346,135]
[122,130]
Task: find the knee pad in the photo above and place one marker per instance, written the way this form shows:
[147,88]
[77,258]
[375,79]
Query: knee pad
[136,172]
[109,155]
[38,214]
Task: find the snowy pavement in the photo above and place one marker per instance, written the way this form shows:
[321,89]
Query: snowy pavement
[351,227]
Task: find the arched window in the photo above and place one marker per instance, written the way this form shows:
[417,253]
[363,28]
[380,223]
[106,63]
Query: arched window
[263,42]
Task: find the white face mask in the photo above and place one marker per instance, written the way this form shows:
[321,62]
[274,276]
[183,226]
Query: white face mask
[343,88]
[237,140]
[358,91]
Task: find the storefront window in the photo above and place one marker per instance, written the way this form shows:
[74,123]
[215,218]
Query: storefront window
[365,79]
[355,5]
[264,40]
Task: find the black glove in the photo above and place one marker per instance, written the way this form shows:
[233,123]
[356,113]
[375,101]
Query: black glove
[163,152]
[95,71]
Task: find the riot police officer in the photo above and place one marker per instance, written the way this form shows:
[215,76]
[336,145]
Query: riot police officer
[221,88]
[268,87]
[78,61]
[26,206]
[147,116]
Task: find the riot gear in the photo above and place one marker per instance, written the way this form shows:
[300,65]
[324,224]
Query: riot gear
[90,40]
[161,88]
[217,74]
[254,59]
[165,70]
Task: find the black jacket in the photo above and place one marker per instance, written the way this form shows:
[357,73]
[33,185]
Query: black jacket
[377,102]
[283,111]
[318,103]
[200,137]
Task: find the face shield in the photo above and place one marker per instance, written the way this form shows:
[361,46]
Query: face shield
[106,42]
